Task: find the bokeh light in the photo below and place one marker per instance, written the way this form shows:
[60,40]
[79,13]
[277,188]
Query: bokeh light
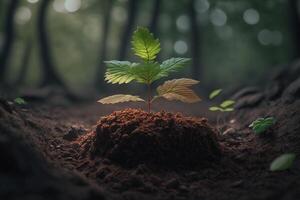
[218,17]
[202,6]
[72,5]
[58,6]
[251,16]
[119,14]
[268,37]
[23,15]
[183,23]
[180,47]
[32,1]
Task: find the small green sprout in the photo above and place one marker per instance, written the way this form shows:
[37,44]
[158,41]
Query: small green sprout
[215,93]
[225,106]
[283,162]
[261,125]
[146,47]
[20,101]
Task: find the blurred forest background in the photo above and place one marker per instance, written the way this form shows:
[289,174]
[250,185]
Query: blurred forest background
[64,42]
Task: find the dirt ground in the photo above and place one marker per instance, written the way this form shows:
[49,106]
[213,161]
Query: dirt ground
[43,156]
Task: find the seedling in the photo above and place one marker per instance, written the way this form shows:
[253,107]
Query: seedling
[261,125]
[146,47]
[20,101]
[215,93]
[283,162]
[225,106]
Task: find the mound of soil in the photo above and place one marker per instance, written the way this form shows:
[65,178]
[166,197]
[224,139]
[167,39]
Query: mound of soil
[132,137]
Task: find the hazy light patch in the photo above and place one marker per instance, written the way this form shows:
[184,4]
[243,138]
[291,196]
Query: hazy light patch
[85,4]
[267,37]
[218,17]
[165,21]
[58,6]
[32,1]
[277,38]
[183,23]
[225,32]
[271,4]
[72,5]
[168,44]
[119,14]
[91,28]
[202,6]
[23,15]
[251,16]
[180,47]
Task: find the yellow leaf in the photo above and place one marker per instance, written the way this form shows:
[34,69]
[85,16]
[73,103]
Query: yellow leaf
[178,89]
[119,98]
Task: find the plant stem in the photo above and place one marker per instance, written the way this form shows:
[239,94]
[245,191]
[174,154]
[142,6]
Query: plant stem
[149,97]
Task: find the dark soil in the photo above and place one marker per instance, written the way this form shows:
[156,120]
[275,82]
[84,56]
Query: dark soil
[60,152]
[132,137]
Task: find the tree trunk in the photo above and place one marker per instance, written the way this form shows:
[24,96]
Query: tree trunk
[103,50]
[50,76]
[132,12]
[8,38]
[24,64]
[155,16]
[295,24]
[197,72]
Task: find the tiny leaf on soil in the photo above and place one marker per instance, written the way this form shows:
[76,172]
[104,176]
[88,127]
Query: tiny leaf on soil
[283,162]
[228,109]
[260,125]
[119,98]
[20,101]
[215,93]
[178,89]
[227,103]
[215,108]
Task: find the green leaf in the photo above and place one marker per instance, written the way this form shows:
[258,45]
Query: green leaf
[283,162]
[260,125]
[119,98]
[178,89]
[215,93]
[146,73]
[173,65]
[228,109]
[144,44]
[215,108]
[258,120]
[119,71]
[20,101]
[227,103]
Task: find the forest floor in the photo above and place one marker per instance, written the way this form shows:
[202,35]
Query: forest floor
[43,156]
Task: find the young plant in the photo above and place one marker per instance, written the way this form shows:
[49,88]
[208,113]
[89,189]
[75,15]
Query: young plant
[146,47]
[20,101]
[283,162]
[261,125]
[225,106]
